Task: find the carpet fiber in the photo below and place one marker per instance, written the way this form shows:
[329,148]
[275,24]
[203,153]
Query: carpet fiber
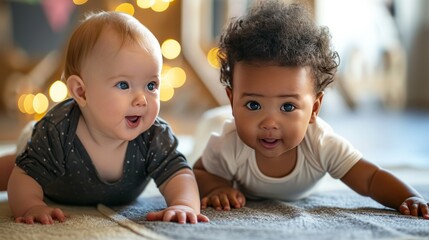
[338,214]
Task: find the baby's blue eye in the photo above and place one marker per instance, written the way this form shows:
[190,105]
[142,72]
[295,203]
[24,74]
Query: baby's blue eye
[287,107]
[252,105]
[122,85]
[152,86]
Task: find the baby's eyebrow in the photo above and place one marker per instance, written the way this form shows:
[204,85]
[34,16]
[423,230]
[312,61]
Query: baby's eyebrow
[297,96]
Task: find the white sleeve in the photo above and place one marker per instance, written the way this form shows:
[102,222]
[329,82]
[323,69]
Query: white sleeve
[218,156]
[337,155]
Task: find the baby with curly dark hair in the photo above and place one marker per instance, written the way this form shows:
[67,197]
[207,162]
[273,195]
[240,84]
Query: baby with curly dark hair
[275,64]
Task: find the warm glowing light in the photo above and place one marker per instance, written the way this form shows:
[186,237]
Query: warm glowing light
[160,6]
[127,8]
[212,58]
[28,104]
[168,1]
[40,103]
[166,92]
[176,77]
[79,2]
[37,117]
[170,48]
[58,91]
[145,4]
[164,70]
[21,103]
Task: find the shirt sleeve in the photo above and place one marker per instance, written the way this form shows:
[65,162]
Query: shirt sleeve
[164,160]
[219,156]
[337,154]
[43,157]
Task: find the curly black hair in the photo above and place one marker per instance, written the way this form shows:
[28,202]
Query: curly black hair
[276,33]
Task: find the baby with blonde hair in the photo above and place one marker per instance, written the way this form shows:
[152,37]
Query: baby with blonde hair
[106,142]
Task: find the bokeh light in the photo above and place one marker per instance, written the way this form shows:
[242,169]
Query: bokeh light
[170,48]
[79,2]
[127,8]
[58,91]
[212,58]
[21,103]
[145,4]
[28,104]
[166,91]
[160,6]
[176,77]
[40,103]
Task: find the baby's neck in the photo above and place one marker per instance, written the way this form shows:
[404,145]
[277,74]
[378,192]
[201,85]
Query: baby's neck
[279,166]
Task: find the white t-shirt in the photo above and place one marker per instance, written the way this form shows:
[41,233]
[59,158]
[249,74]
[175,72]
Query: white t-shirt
[322,151]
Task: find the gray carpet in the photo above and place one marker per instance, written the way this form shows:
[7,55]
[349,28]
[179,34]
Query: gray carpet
[340,214]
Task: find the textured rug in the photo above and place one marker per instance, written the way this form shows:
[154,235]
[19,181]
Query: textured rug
[337,214]
[340,214]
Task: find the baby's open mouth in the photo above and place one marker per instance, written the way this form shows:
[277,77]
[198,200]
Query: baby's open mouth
[133,121]
[269,142]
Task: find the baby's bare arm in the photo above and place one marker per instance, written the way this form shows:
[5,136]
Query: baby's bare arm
[25,197]
[381,185]
[216,191]
[182,198]
[208,182]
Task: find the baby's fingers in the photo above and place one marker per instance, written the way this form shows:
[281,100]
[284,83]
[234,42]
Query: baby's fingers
[237,200]
[424,209]
[417,208]
[214,201]
[191,218]
[58,214]
[404,209]
[27,220]
[181,217]
[414,209]
[154,216]
[224,200]
[204,202]
[43,219]
[202,218]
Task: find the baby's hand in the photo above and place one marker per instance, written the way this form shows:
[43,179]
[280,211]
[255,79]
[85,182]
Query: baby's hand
[415,205]
[224,198]
[177,213]
[42,214]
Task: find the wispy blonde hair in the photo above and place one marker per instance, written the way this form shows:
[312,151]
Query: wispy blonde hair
[85,37]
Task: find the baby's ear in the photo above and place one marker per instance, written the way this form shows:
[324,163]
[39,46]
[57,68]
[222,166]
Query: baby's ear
[76,88]
[228,91]
[316,107]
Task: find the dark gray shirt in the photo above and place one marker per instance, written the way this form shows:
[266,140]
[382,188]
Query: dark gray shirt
[57,160]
